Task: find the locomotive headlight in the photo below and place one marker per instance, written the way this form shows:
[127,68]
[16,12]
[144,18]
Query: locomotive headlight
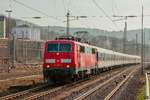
[67,66]
[50,61]
[48,66]
[65,60]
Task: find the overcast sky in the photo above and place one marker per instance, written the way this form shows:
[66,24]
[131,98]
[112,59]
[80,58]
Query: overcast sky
[58,8]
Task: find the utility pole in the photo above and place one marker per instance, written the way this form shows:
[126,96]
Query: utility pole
[68,21]
[144,47]
[14,52]
[23,48]
[67,28]
[125,35]
[142,42]
[48,37]
[125,30]
[9,19]
[136,43]
[9,35]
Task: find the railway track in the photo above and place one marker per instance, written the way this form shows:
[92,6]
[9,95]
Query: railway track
[108,97]
[23,80]
[19,78]
[23,93]
[112,93]
[62,89]
[104,85]
[58,92]
[29,92]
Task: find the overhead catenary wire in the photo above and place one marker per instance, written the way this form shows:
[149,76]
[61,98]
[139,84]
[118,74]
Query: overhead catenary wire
[115,4]
[139,3]
[56,18]
[87,17]
[63,2]
[97,17]
[93,22]
[10,4]
[75,17]
[52,17]
[113,8]
[36,10]
[68,4]
[106,15]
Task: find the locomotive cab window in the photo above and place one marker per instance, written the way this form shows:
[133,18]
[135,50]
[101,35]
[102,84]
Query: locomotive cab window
[52,47]
[55,47]
[64,47]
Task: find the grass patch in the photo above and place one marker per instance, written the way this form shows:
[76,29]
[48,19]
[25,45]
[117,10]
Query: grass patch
[140,94]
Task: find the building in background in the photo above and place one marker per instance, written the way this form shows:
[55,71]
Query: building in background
[29,30]
[6,26]
[26,32]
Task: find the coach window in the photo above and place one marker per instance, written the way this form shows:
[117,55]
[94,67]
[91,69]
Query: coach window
[108,57]
[93,51]
[111,57]
[88,50]
[119,58]
[82,49]
[104,56]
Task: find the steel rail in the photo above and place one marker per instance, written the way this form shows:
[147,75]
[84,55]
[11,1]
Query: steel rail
[108,97]
[36,96]
[19,78]
[88,93]
[19,94]
[54,90]
[43,93]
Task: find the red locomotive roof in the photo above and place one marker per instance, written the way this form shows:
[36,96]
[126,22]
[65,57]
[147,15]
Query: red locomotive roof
[60,41]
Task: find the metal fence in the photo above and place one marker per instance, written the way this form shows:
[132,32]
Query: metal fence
[25,52]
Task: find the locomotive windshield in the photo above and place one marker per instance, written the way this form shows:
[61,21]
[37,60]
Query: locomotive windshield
[52,47]
[64,47]
[55,47]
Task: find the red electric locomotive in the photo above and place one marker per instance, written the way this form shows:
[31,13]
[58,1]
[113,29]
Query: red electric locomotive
[67,59]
